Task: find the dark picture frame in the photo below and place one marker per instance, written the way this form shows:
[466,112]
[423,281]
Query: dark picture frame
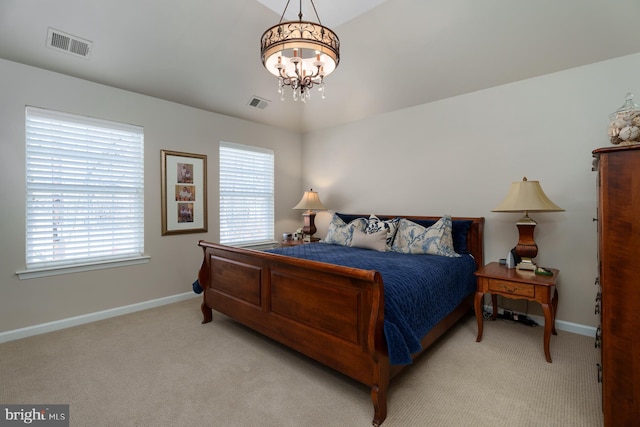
[184,192]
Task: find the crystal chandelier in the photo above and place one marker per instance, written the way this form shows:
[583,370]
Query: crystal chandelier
[301,54]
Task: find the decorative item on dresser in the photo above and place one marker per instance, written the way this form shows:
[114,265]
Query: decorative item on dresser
[624,127]
[618,221]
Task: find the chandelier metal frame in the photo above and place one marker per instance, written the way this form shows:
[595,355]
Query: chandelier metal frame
[300,53]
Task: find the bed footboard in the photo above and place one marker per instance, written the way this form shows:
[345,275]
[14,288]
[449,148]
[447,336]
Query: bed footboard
[330,313]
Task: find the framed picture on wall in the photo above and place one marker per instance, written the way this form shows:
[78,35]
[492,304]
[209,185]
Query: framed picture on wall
[184,192]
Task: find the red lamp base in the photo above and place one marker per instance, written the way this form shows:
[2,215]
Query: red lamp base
[309,228]
[526,248]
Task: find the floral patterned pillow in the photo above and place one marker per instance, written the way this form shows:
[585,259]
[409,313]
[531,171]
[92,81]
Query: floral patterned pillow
[375,225]
[341,233]
[412,238]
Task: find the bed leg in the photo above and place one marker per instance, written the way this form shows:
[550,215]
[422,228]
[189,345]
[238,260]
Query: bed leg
[379,398]
[206,313]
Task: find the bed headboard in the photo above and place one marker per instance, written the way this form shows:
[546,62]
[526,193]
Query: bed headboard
[474,238]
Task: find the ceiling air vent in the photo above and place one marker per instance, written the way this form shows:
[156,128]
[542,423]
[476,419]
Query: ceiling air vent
[77,46]
[258,103]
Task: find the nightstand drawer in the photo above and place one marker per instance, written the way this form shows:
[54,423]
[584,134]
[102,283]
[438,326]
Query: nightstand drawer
[512,288]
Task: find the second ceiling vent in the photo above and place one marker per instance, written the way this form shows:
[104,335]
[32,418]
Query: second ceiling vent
[258,103]
[77,46]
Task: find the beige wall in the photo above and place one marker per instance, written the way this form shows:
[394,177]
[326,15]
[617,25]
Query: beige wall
[454,156]
[174,259]
[459,156]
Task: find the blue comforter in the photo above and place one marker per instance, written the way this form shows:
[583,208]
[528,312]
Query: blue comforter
[419,290]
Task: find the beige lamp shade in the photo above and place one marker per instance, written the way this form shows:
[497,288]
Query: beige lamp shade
[527,196]
[310,201]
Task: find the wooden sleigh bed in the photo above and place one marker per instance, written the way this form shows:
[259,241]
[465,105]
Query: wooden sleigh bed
[333,314]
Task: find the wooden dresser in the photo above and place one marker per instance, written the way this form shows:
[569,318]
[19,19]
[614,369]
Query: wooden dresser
[618,301]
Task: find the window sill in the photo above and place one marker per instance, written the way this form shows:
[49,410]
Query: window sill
[260,246]
[54,271]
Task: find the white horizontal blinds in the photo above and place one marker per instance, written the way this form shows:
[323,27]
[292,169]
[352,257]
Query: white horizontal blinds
[85,189]
[246,194]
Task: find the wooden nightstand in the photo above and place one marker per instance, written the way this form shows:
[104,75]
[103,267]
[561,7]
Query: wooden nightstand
[497,279]
[285,243]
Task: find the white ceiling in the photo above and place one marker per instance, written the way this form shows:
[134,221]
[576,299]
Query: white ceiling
[394,54]
[332,12]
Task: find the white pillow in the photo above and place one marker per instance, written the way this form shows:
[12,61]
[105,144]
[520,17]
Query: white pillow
[376,241]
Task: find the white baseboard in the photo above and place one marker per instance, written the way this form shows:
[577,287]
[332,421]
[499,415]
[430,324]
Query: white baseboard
[91,317]
[561,325]
[119,311]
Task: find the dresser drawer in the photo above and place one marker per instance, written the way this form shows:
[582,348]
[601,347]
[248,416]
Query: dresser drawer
[504,287]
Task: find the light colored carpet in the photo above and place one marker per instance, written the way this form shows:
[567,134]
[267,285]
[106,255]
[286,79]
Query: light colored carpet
[161,367]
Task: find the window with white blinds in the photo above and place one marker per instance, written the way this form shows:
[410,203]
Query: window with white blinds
[85,190]
[246,194]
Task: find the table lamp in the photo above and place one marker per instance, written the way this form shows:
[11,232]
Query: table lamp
[309,202]
[526,196]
